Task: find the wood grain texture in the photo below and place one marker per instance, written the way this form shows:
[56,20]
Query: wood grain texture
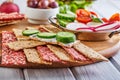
[11,74]
[116,60]
[107,48]
[98,71]
[20,25]
[48,74]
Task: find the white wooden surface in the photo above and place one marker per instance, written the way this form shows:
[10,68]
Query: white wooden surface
[98,71]
[48,74]
[11,74]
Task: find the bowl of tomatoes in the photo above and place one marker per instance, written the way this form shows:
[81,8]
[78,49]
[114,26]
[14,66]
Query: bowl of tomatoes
[88,25]
[38,11]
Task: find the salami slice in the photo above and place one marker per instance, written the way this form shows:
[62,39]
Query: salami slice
[9,56]
[75,54]
[46,54]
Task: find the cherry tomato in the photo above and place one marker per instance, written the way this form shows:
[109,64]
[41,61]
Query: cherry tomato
[84,19]
[83,16]
[82,12]
[93,13]
[115,17]
[105,20]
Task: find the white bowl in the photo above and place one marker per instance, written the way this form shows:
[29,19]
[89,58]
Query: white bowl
[40,16]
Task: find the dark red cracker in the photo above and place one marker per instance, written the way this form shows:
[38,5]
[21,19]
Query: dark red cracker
[8,37]
[46,54]
[75,54]
[11,16]
[11,57]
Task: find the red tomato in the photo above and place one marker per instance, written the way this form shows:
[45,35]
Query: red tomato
[83,16]
[105,20]
[84,19]
[115,17]
[82,12]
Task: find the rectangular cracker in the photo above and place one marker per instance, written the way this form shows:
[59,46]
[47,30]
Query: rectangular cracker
[32,56]
[60,53]
[18,45]
[19,35]
[51,28]
[89,52]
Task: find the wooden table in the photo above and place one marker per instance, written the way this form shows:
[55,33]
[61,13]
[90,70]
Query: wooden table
[98,71]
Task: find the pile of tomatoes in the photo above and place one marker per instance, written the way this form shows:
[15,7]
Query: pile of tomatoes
[85,16]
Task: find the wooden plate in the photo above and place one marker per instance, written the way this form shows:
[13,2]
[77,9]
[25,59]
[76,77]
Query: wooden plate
[106,48]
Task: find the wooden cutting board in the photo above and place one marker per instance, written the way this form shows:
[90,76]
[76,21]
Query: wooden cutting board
[107,48]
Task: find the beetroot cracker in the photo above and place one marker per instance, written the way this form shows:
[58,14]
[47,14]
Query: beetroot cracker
[9,56]
[46,54]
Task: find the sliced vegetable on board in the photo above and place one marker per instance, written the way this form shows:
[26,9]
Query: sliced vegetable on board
[65,37]
[67,17]
[46,35]
[30,32]
[62,23]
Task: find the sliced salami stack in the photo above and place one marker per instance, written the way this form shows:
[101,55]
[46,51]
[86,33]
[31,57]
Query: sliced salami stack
[19,50]
[11,18]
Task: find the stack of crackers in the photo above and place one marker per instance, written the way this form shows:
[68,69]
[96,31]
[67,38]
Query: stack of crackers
[11,18]
[31,52]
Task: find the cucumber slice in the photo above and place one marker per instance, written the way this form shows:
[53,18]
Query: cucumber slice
[30,32]
[46,35]
[62,23]
[65,37]
[66,17]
